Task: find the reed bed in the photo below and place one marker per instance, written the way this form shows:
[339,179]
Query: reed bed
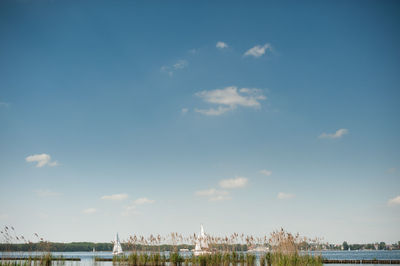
[281,259]
[280,248]
[176,259]
[222,259]
[44,260]
[10,237]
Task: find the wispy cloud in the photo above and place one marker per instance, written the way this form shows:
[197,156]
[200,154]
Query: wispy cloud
[237,182]
[4,104]
[223,194]
[214,194]
[213,112]
[232,96]
[131,209]
[284,196]
[121,196]
[89,211]
[184,110]
[258,50]
[266,172]
[180,64]
[221,45]
[170,70]
[338,134]
[44,193]
[141,201]
[229,98]
[41,160]
[394,201]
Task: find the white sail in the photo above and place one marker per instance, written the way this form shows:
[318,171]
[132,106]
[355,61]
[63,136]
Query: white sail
[117,249]
[203,238]
[197,247]
[201,246]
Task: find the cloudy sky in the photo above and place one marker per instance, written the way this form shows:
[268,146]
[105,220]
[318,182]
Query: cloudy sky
[152,117]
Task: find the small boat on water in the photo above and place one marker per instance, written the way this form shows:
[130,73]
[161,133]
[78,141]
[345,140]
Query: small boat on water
[117,249]
[201,247]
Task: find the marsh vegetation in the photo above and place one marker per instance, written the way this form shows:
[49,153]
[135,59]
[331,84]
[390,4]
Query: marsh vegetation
[279,248]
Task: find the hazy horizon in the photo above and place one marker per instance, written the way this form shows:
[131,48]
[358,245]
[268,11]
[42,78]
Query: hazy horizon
[153,117]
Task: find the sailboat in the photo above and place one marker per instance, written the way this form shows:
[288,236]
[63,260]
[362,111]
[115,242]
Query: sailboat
[117,249]
[201,247]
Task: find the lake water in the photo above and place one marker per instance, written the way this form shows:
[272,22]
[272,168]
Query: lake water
[87,257]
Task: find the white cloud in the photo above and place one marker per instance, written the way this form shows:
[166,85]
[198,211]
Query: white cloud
[394,201]
[168,70]
[41,160]
[171,69]
[338,134]
[141,201]
[180,64]
[89,211]
[391,170]
[184,110]
[266,172]
[131,209]
[214,194]
[229,98]
[213,112]
[47,193]
[258,50]
[237,182]
[282,195]
[121,196]
[4,104]
[221,45]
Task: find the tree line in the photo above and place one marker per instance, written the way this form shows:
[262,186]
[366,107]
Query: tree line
[83,246]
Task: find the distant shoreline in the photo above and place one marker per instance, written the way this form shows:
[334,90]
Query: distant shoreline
[89,246]
[107,247]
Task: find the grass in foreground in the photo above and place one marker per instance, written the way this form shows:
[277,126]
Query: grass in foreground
[218,259]
[44,260]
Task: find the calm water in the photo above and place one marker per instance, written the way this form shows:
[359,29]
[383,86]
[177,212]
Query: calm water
[362,255]
[87,257]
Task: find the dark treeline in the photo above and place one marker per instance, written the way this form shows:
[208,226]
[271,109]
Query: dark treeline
[57,247]
[88,246]
[373,246]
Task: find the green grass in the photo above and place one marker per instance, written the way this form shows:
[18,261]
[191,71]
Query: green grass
[219,259]
[44,260]
[280,259]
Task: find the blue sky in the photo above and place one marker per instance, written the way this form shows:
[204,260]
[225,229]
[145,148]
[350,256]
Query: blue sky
[152,116]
